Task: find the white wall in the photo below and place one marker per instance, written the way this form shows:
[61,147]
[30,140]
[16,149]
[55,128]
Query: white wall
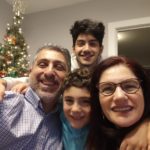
[5,17]
[53,25]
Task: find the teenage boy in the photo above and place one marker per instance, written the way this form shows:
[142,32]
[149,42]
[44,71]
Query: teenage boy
[87,36]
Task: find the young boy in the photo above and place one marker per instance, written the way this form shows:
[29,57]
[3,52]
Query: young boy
[76,112]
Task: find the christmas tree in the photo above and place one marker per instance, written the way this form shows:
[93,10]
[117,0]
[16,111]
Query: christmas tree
[13,53]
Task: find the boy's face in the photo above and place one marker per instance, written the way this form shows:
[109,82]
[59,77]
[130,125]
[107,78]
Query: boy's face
[87,50]
[76,106]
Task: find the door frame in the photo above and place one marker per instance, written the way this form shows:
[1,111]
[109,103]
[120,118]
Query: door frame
[115,27]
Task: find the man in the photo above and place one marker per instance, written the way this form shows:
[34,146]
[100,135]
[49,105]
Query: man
[31,121]
[87,36]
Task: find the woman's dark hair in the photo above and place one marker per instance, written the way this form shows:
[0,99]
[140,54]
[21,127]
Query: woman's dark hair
[101,128]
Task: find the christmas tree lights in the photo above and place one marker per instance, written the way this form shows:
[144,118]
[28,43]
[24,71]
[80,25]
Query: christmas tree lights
[14,59]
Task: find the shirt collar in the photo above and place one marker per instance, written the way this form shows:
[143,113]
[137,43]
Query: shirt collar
[34,99]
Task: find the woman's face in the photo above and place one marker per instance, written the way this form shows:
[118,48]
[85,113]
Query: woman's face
[121,108]
[77,106]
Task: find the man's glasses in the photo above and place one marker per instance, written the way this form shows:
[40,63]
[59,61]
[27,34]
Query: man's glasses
[130,86]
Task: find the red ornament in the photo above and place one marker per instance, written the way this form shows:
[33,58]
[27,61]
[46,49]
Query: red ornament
[11,39]
[2,74]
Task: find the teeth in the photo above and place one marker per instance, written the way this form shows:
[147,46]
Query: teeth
[87,55]
[50,83]
[122,109]
[77,117]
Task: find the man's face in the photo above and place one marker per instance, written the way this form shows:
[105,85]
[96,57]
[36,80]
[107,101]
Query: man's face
[47,75]
[87,50]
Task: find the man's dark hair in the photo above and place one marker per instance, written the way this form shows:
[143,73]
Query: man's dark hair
[87,26]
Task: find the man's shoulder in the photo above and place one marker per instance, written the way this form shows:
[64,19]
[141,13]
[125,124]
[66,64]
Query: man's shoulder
[11,94]
[11,101]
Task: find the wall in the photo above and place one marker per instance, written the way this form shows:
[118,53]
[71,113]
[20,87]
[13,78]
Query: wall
[53,25]
[5,17]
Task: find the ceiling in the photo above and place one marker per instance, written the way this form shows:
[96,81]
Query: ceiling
[33,6]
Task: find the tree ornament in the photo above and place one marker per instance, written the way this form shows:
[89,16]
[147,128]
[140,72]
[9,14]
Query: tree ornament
[2,74]
[11,39]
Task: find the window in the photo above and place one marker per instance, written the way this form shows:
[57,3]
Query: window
[130,38]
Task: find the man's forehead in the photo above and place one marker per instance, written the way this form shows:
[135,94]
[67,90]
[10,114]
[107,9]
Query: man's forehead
[51,55]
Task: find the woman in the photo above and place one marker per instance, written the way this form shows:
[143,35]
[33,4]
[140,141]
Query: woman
[120,101]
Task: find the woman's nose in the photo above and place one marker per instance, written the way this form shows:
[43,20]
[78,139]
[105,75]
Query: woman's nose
[119,95]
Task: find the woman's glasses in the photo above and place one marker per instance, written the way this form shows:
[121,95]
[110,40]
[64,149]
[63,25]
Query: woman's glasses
[130,86]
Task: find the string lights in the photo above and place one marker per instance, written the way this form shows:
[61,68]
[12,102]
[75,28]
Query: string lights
[18,6]
[14,58]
